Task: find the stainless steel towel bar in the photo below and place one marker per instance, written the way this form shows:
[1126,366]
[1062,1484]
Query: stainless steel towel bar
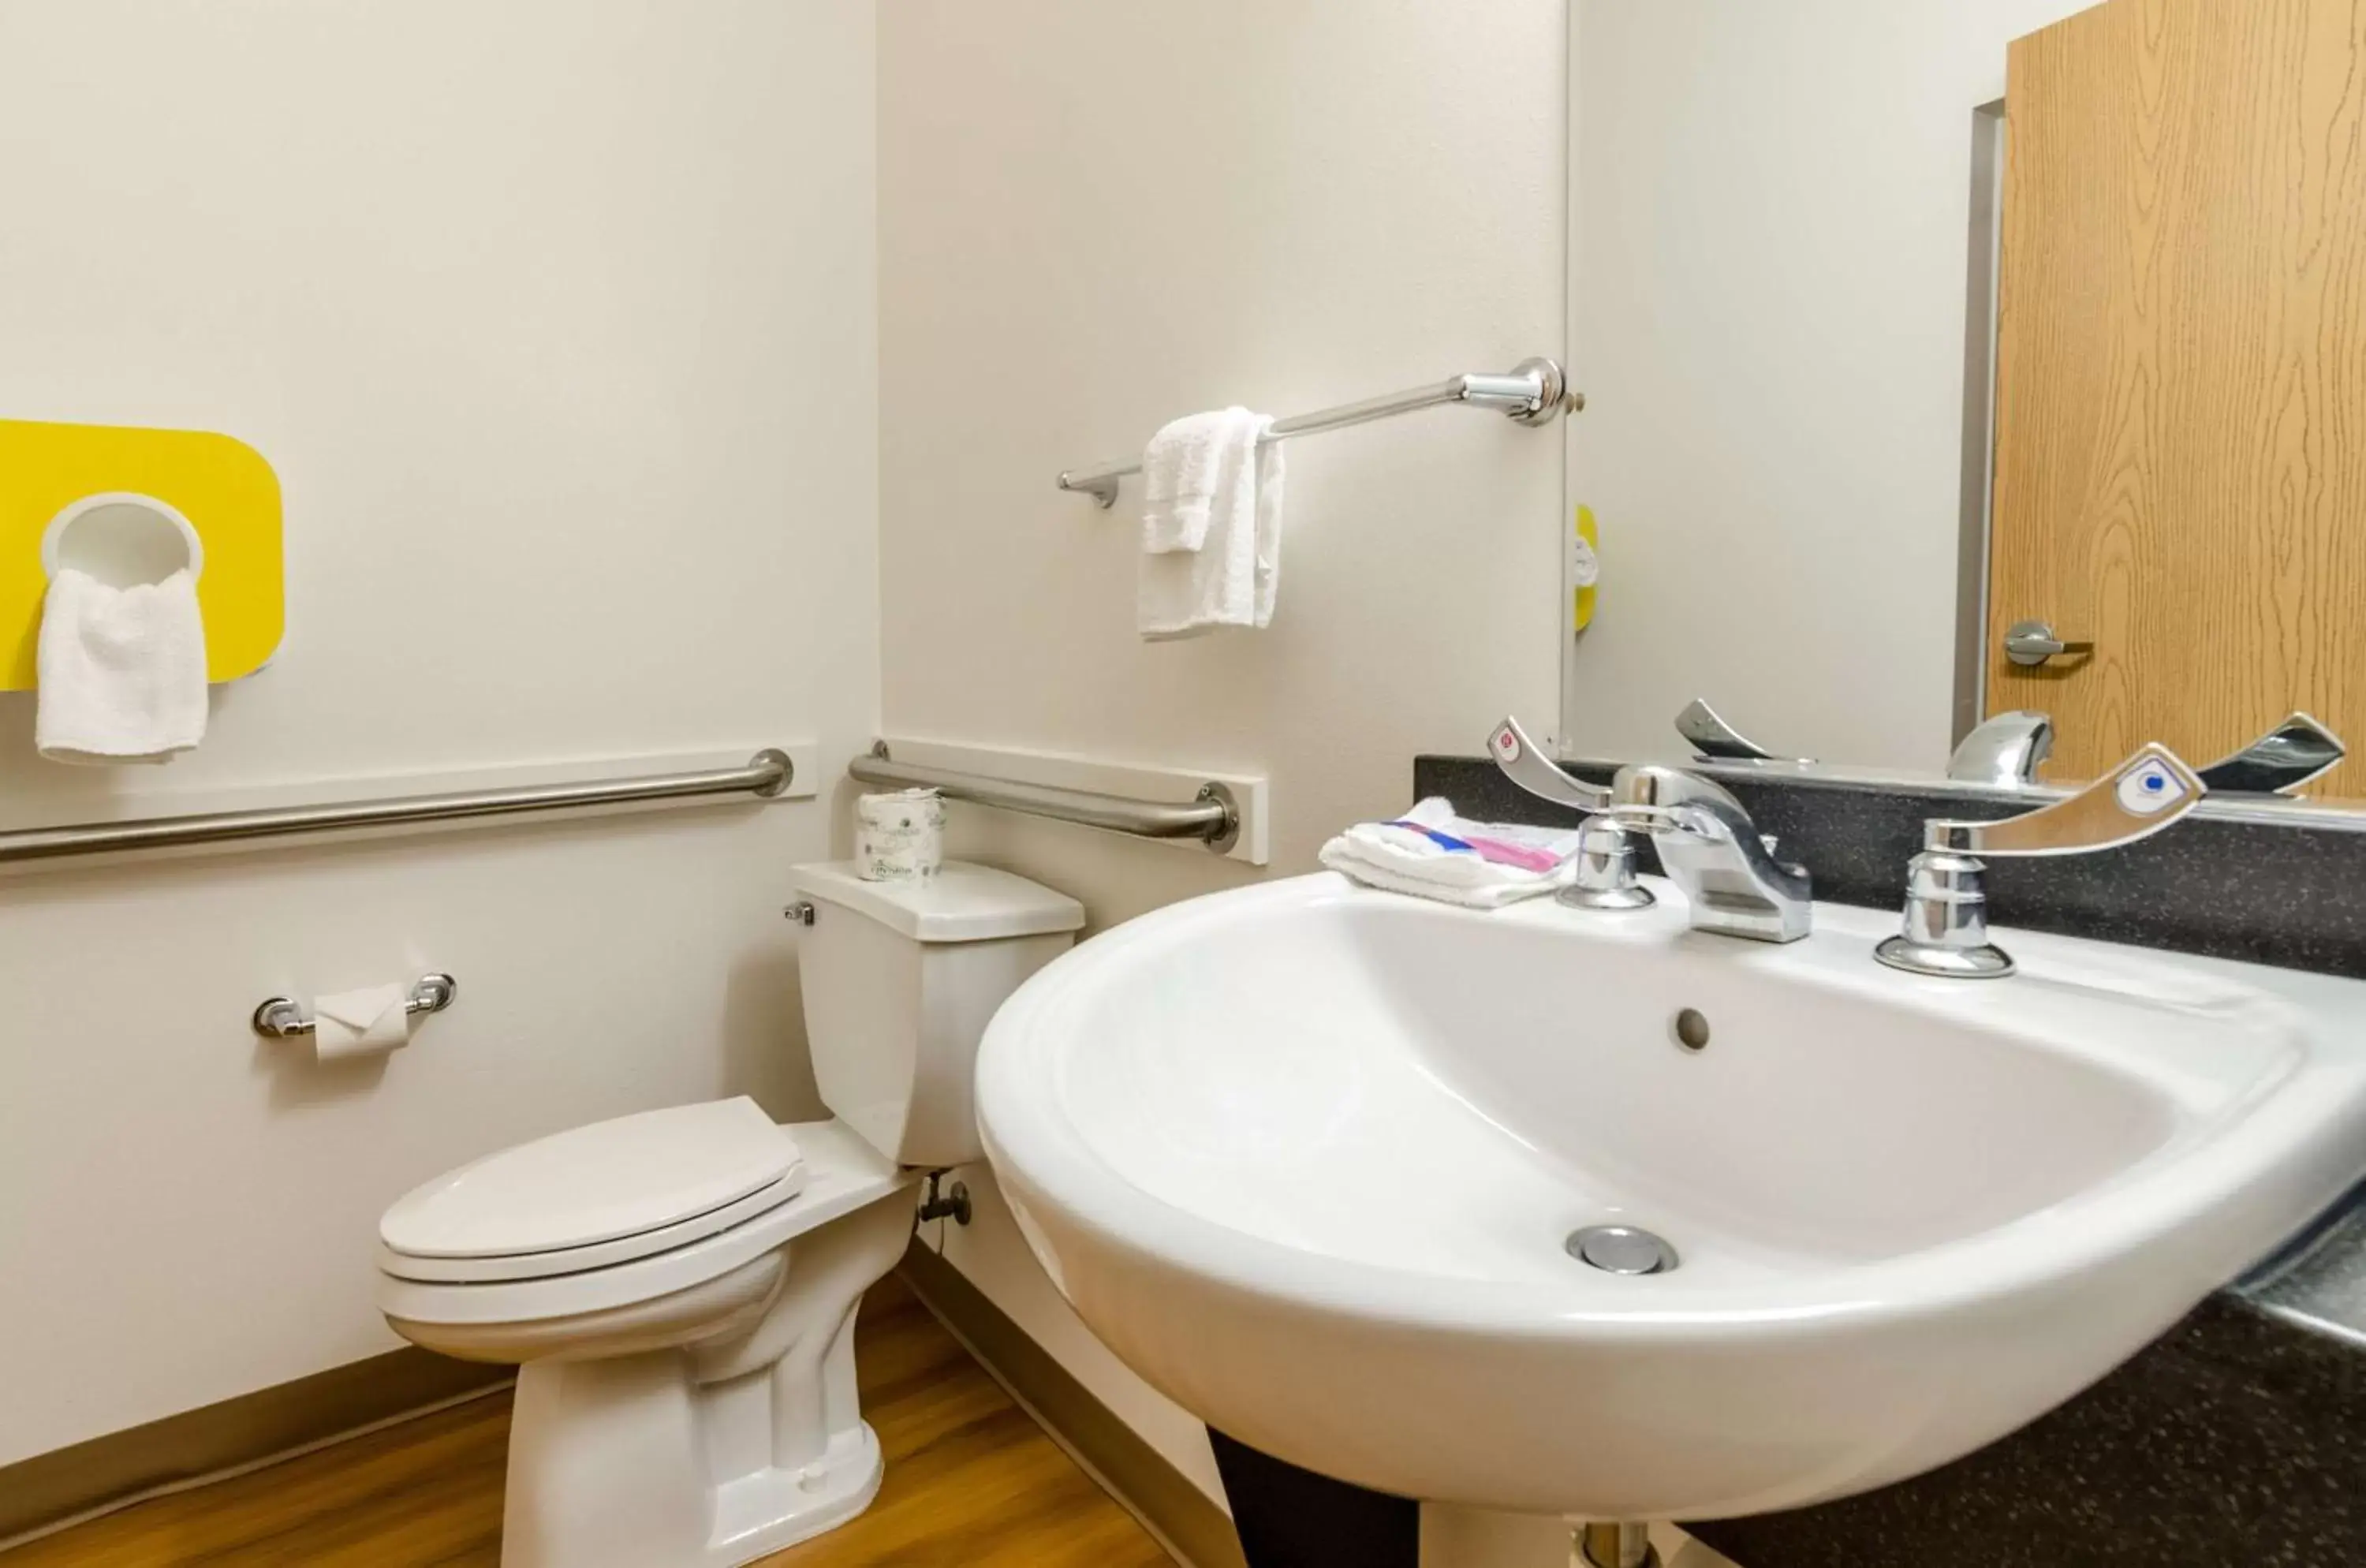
[767,774]
[1534,393]
[1213,819]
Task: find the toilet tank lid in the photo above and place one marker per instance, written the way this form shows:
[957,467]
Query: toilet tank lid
[961,903]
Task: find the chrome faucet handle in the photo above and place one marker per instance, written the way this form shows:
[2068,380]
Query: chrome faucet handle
[1945,926]
[1522,761]
[1714,740]
[2290,755]
[2006,749]
[2134,800]
[1605,851]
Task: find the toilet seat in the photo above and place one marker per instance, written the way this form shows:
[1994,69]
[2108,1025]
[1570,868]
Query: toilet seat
[599,1255]
[594,1196]
[841,1173]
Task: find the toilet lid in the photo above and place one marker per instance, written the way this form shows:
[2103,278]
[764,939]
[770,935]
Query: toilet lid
[657,1172]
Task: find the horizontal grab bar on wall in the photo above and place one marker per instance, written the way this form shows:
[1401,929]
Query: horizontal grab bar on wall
[1213,819]
[1534,393]
[768,774]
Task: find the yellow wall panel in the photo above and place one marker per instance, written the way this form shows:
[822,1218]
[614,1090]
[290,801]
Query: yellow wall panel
[222,486]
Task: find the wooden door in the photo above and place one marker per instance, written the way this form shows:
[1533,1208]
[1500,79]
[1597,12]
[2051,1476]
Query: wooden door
[2180,436]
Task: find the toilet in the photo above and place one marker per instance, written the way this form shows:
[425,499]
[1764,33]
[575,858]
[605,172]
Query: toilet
[677,1287]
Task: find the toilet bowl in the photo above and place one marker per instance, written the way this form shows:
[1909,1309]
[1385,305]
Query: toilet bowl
[679,1287]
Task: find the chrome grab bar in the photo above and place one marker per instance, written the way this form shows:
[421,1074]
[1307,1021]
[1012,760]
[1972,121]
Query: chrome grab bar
[1534,393]
[1213,819]
[768,774]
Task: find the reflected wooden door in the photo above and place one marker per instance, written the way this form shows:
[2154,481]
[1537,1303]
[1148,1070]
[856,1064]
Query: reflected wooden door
[2180,435]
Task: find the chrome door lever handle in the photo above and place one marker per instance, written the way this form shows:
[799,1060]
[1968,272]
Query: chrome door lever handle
[2032,643]
[2290,755]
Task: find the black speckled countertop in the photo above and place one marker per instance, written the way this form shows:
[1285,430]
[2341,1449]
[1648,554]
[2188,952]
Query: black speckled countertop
[2238,1439]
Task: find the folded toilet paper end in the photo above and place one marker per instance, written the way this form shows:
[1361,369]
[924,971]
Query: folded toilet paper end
[374,1019]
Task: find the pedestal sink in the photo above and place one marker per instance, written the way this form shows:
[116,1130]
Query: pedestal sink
[1308,1158]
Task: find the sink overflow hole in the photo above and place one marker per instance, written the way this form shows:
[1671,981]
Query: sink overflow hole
[1691,1029]
[1621,1249]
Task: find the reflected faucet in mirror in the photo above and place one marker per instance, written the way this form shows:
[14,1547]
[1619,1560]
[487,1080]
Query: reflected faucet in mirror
[1706,843]
[2007,749]
[2004,751]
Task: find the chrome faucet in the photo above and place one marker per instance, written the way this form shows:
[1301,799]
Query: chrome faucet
[1945,926]
[1706,842]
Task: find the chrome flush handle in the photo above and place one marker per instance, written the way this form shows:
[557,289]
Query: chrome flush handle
[1945,930]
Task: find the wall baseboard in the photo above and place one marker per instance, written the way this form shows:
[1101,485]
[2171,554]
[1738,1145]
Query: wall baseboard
[1192,1529]
[49,1489]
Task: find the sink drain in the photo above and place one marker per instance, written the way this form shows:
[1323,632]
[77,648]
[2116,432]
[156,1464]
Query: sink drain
[1621,1249]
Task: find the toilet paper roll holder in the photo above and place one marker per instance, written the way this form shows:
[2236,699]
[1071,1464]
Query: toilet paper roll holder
[281,1019]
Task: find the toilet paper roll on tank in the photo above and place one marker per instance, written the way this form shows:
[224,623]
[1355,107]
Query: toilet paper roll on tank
[899,836]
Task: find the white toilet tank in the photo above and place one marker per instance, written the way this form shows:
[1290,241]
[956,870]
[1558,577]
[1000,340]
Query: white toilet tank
[900,979]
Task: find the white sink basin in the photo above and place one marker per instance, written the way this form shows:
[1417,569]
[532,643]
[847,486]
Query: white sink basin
[1305,1158]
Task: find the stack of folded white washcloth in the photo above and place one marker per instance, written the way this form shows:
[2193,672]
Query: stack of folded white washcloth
[1430,853]
[1210,525]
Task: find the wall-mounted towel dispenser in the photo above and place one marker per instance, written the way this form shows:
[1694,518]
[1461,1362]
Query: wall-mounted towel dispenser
[120,500]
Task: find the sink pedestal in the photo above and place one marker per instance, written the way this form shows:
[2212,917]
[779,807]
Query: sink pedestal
[1290,1517]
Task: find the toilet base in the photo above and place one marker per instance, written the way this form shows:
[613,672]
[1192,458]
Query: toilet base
[609,1469]
[717,1453]
[760,1514]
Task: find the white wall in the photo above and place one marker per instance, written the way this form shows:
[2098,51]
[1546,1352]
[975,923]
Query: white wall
[1768,286]
[1096,217]
[556,318]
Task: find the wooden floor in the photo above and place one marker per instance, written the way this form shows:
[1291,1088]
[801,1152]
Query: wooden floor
[971,1482]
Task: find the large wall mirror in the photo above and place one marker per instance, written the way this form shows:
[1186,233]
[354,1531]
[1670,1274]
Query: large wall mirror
[1972,379]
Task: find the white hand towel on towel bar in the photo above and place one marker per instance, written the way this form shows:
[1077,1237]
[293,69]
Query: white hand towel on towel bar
[122,671]
[1210,525]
